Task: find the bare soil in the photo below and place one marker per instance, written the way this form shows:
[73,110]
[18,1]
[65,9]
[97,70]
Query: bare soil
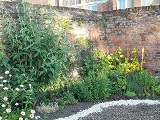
[139,112]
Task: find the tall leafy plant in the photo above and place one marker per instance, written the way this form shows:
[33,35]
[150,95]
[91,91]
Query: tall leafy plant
[33,47]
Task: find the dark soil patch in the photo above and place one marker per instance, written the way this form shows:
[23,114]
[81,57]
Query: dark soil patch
[79,106]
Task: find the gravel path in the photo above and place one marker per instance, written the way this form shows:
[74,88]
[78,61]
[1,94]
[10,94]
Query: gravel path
[138,112]
[113,110]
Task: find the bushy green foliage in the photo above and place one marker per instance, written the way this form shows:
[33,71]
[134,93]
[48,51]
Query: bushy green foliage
[92,87]
[34,48]
[117,61]
[112,62]
[81,92]
[33,53]
[157,89]
[141,83]
[124,74]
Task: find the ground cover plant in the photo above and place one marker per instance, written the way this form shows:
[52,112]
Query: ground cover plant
[36,60]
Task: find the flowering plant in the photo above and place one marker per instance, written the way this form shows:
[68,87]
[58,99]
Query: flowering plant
[17,100]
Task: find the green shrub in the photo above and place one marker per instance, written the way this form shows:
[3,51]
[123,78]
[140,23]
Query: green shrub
[125,74]
[117,61]
[92,66]
[141,82]
[114,63]
[34,53]
[65,99]
[117,81]
[92,87]
[33,47]
[81,92]
[157,89]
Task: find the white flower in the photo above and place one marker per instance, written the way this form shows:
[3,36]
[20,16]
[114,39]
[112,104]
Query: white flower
[0,118]
[17,89]
[31,115]
[10,75]
[5,88]
[5,99]
[4,81]
[26,118]
[22,86]
[1,85]
[1,77]
[20,118]
[6,72]
[3,105]
[30,85]
[23,113]
[16,104]
[33,111]
[8,110]
[37,117]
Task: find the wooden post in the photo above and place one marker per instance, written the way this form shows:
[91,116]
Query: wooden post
[82,4]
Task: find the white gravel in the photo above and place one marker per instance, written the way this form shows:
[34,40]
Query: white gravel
[100,106]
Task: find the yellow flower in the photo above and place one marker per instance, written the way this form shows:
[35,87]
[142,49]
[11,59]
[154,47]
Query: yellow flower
[23,113]
[8,110]
[134,50]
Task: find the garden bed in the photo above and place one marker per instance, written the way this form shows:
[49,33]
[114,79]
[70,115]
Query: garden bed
[147,111]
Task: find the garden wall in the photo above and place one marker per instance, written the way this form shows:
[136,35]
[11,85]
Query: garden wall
[130,28]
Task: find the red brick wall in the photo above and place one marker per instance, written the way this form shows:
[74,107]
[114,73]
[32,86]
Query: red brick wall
[108,6]
[103,7]
[137,3]
[130,28]
[112,5]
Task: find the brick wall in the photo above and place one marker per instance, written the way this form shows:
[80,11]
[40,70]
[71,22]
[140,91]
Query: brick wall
[112,5]
[104,6]
[137,3]
[108,6]
[136,28]
[130,28]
